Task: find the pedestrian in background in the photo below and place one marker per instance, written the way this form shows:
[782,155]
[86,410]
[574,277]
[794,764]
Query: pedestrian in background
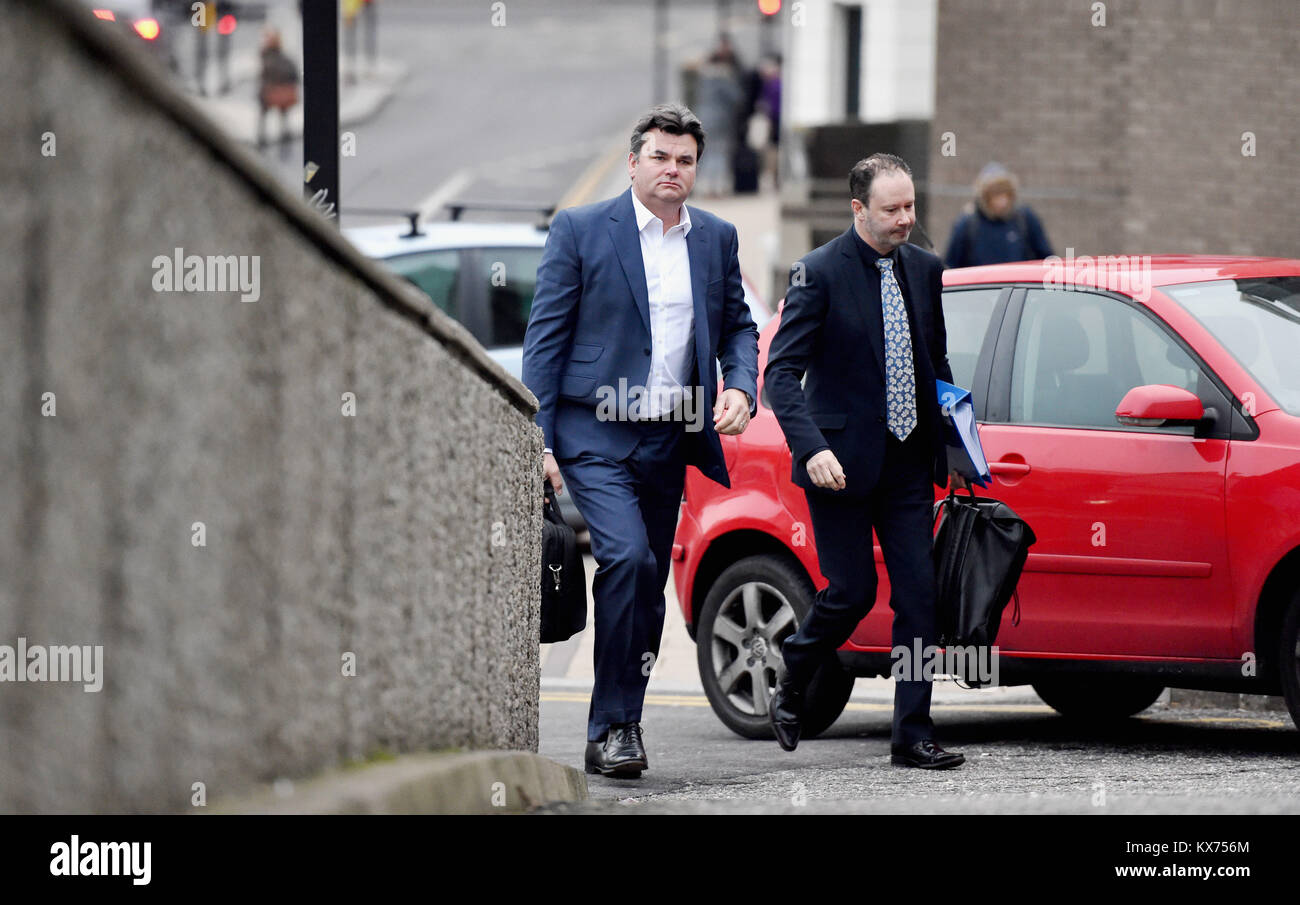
[207,14]
[224,41]
[994,229]
[277,89]
[719,96]
[769,105]
[363,11]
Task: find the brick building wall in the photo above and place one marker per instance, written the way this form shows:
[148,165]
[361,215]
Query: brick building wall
[1127,137]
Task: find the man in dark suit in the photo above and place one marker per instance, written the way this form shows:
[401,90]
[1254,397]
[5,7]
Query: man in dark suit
[863,320]
[638,299]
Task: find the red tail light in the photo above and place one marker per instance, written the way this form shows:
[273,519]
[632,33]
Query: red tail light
[147,28]
[106,15]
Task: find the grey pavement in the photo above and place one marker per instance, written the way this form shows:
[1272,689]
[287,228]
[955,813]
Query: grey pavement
[1021,758]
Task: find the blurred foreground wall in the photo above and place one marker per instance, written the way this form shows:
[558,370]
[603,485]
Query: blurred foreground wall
[404,537]
[1135,127]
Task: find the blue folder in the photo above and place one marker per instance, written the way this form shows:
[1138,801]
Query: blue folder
[961,434]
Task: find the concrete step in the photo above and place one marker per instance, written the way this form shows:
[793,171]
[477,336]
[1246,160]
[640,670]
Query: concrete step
[451,782]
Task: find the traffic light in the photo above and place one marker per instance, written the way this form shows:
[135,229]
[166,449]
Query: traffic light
[769,7]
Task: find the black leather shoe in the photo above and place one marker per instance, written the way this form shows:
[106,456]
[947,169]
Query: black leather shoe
[784,711]
[926,755]
[621,754]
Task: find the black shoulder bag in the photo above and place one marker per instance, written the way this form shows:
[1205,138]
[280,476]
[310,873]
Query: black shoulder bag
[564,580]
[980,550]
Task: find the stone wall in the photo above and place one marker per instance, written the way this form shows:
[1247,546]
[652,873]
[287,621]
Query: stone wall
[406,535]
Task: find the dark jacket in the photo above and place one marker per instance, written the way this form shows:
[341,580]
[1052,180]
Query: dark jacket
[978,239]
[831,331]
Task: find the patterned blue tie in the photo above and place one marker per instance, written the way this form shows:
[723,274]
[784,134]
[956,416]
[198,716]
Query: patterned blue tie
[900,378]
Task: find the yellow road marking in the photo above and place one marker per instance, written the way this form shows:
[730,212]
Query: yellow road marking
[661,700]
[696,700]
[590,179]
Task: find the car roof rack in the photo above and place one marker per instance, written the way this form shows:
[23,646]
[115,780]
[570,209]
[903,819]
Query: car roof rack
[456,208]
[413,217]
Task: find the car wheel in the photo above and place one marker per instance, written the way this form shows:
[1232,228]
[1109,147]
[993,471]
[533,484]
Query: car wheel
[1288,658]
[1098,698]
[752,607]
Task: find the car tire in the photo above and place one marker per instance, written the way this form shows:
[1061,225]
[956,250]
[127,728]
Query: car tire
[1098,698]
[1288,658]
[752,607]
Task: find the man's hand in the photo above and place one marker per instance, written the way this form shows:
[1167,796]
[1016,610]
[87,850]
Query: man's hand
[551,469]
[731,412]
[957,482]
[825,470]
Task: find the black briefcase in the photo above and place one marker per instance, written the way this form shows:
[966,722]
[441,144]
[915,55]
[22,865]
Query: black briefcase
[564,579]
[980,550]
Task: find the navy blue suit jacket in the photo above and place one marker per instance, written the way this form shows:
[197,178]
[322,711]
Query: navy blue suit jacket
[590,328]
[829,330]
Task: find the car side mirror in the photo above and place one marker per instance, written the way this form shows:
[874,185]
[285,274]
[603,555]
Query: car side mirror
[1159,405]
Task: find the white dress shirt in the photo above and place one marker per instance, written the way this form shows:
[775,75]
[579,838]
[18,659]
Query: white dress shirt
[672,308]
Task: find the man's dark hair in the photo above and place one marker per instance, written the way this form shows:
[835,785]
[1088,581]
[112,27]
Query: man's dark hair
[674,119]
[868,169]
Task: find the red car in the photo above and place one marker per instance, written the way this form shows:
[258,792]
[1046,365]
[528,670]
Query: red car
[1141,414]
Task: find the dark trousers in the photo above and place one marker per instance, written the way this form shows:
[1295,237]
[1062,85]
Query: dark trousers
[631,509]
[899,507]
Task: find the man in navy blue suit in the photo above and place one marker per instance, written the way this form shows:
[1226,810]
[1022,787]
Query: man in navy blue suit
[638,298]
[863,320]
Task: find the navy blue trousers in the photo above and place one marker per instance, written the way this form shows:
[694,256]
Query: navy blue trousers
[899,507]
[631,508]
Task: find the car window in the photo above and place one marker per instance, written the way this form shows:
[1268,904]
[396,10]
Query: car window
[1078,353]
[436,274]
[1159,359]
[1258,321]
[511,277]
[966,315]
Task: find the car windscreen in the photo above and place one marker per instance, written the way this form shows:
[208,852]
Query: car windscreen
[1258,321]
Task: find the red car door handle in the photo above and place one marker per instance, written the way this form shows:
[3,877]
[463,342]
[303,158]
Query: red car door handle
[1015,469]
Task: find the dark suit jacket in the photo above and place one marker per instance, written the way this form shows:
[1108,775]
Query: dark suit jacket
[590,328]
[831,331]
